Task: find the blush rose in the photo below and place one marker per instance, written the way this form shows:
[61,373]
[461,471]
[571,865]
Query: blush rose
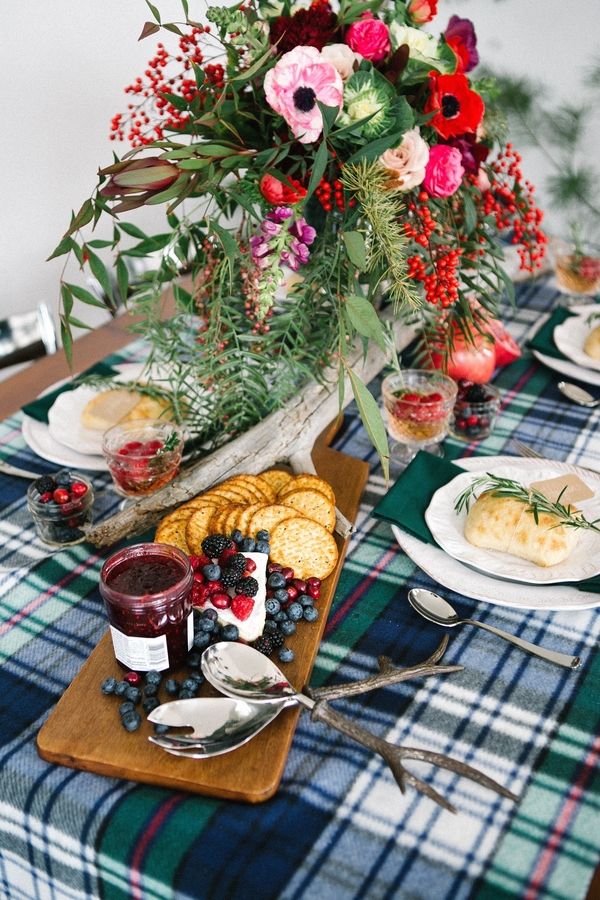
[444,171]
[405,164]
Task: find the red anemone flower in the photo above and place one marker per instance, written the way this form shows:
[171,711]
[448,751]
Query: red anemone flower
[279,193]
[458,109]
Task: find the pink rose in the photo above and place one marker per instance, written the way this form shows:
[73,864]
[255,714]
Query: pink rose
[405,164]
[444,171]
[293,86]
[370,37]
[421,11]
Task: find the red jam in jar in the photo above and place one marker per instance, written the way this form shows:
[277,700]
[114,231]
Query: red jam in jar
[146,591]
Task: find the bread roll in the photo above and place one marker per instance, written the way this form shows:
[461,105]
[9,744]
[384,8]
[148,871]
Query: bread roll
[110,407]
[591,344]
[501,523]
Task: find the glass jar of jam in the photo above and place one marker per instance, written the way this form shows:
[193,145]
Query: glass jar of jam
[146,590]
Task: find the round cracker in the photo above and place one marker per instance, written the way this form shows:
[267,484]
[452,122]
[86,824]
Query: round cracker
[304,546]
[277,478]
[173,533]
[268,517]
[244,517]
[199,526]
[244,484]
[203,499]
[229,521]
[231,494]
[313,505]
[306,481]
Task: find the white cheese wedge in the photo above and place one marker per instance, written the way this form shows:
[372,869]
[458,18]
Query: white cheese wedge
[252,627]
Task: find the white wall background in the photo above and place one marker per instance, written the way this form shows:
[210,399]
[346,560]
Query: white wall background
[65,64]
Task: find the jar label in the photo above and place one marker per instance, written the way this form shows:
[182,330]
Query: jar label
[138,653]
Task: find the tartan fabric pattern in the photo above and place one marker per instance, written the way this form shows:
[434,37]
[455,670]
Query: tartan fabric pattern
[338,827]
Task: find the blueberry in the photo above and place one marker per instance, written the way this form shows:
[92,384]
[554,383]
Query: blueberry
[186,695]
[108,685]
[262,535]
[120,688]
[189,685]
[207,625]
[270,627]
[286,655]
[63,479]
[153,677]
[230,633]
[197,678]
[160,727]
[210,614]
[295,611]
[287,628]
[276,580]
[133,693]
[237,536]
[311,614]
[150,690]
[172,687]
[150,703]
[272,606]
[201,640]
[131,722]
[281,595]
[126,708]
[193,660]
[211,572]
[248,545]
[281,616]
[263,547]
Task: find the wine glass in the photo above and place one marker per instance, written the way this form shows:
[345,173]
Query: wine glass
[577,270]
[417,404]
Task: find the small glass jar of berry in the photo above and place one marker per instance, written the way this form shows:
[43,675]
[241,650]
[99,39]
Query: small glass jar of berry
[475,411]
[61,504]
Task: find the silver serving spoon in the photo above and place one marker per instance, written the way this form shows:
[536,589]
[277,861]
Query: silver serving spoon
[436,609]
[218,725]
[577,394]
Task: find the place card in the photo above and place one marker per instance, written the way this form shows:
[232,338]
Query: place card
[573,489]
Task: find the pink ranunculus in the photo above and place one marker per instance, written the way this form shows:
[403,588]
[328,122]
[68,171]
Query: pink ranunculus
[370,37]
[421,11]
[444,171]
[293,86]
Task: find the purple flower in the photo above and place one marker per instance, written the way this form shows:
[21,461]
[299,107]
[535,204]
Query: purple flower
[305,233]
[280,213]
[300,250]
[460,36]
[289,259]
[472,152]
[270,229]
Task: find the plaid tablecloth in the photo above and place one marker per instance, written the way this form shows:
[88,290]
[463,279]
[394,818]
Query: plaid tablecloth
[338,827]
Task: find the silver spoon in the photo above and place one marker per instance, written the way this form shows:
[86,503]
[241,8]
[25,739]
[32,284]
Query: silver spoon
[218,724]
[240,671]
[577,394]
[436,609]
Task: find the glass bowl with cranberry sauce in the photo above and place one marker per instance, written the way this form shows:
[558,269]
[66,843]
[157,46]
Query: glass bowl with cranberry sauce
[418,404]
[142,455]
[146,590]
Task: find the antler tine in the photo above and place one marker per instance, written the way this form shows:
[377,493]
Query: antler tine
[388,674]
[460,768]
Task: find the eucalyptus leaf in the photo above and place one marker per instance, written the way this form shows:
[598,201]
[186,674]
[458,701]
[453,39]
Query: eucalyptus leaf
[365,320]
[370,415]
[356,249]
[100,272]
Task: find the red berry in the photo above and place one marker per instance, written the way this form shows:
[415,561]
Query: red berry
[288,573]
[300,585]
[196,562]
[274,567]
[220,600]
[411,398]
[60,496]
[155,445]
[199,594]
[250,566]
[198,577]
[313,582]
[215,586]
[313,591]
[45,497]
[242,606]
[132,678]
[78,489]
[229,551]
[292,592]
[132,446]
[472,420]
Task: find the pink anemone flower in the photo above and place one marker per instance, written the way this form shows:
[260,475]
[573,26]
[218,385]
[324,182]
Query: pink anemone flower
[293,86]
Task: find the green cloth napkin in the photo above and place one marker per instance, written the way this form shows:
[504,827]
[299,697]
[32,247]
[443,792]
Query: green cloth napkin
[406,501]
[39,408]
[543,339]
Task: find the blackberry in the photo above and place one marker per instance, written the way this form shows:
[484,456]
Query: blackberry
[271,627]
[264,644]
[477,394]
[44,484]
[247,586]
[214,544]
[230,576]
[277,640]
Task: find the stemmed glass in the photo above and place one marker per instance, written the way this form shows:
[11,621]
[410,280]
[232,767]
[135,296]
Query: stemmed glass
[142,455]
[577,270]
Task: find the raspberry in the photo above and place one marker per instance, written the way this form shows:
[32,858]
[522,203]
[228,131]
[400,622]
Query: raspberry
[196,562]
[242,606]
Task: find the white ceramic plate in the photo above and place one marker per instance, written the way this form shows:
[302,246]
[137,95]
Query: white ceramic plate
[565,366]
[456,576]
[447,527]
[40,439]
[570,337]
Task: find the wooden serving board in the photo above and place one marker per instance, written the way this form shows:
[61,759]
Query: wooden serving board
[83,731]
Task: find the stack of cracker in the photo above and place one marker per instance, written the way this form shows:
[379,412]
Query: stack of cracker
[298,511]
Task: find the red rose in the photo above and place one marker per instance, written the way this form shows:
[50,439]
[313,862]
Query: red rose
[421,11]
[458,109]
[277,193]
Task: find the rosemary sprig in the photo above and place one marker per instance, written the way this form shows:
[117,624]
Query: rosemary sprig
[535,501]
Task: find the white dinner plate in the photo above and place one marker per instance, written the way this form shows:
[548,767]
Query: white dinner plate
[447,527]
[570,337]
[566,366]
[456,576]
[38,437]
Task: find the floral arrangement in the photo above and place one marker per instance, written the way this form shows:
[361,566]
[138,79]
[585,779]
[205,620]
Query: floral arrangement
[323,172]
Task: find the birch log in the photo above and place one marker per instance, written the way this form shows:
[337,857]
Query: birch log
[287,432]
